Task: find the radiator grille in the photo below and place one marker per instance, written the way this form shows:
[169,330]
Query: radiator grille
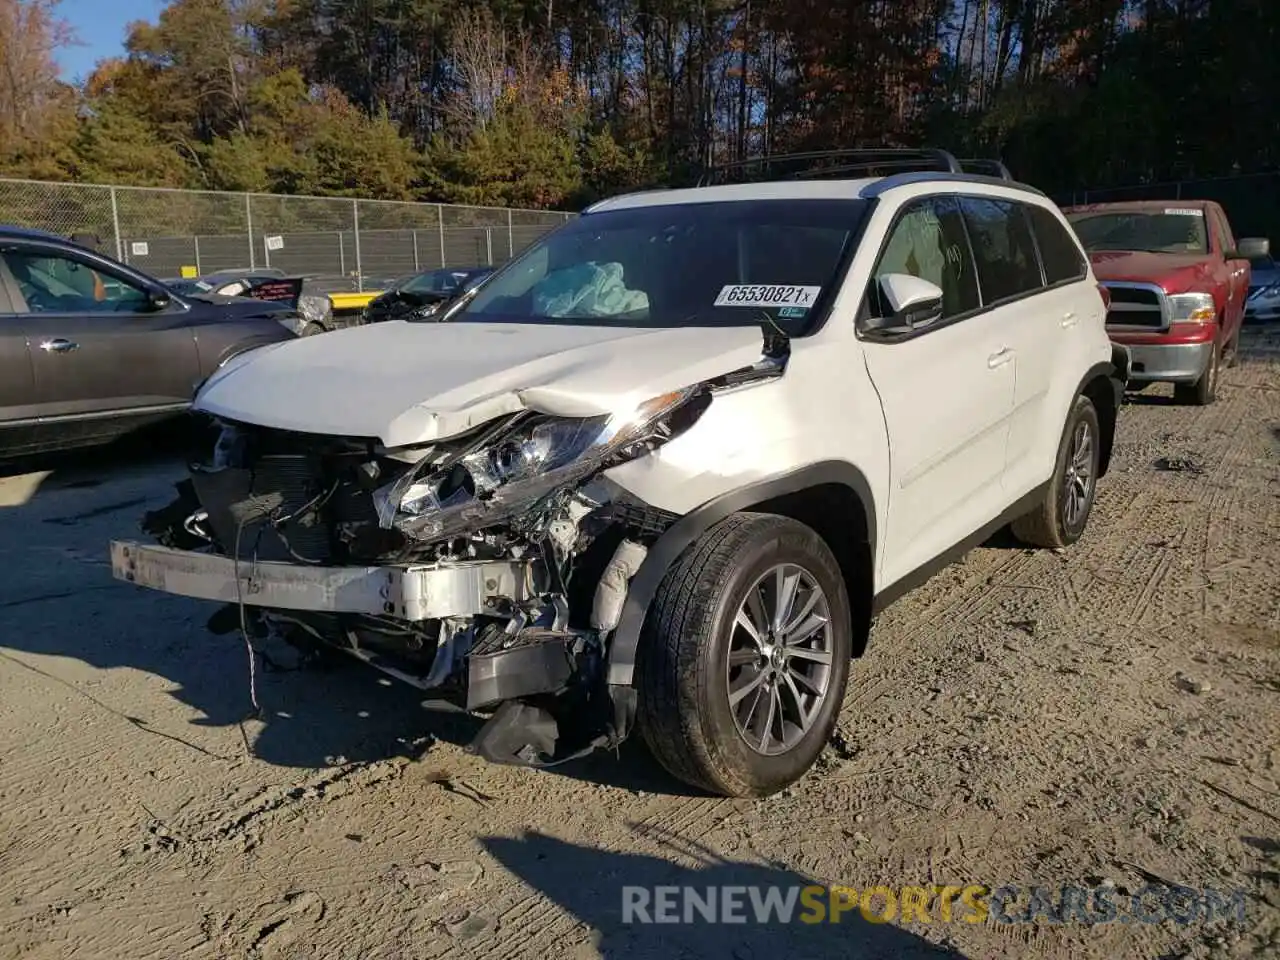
[1136,305]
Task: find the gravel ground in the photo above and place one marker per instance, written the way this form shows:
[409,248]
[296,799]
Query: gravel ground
[1105,716]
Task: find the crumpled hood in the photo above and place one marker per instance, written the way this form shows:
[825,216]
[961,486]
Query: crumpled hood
[408,383]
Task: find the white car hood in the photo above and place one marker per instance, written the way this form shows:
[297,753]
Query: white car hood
[411,383]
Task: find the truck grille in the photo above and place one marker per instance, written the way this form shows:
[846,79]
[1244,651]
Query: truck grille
[1137,305]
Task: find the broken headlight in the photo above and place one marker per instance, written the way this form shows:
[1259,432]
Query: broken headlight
[533,459]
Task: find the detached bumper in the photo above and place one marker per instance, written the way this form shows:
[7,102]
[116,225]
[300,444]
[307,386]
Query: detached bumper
[408,593]
[1169,362]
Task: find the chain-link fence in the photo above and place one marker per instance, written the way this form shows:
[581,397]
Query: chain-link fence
[342,244]
[1252,201]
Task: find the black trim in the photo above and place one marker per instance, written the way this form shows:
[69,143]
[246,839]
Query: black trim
[1102,369]
[1035,244]
[826,163]
[1121,363]
[920,575]
[116,413]
[663,554]
[1082,259]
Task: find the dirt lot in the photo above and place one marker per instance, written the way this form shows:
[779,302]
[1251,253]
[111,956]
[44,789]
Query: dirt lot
[1105,716]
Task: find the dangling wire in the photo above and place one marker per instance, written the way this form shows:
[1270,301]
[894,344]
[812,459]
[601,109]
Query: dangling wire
[244,627]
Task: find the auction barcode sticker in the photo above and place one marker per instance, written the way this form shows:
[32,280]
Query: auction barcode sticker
[766,295]
[1183,212]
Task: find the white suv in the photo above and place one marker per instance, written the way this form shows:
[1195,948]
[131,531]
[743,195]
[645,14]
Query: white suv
[663,468]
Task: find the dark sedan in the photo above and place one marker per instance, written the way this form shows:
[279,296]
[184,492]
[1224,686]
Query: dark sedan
[421,294]
[267,283]
[1264,290]
[91,349]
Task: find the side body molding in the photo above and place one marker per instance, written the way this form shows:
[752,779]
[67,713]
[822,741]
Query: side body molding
[644,586]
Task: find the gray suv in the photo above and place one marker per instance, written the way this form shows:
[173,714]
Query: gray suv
[91,349]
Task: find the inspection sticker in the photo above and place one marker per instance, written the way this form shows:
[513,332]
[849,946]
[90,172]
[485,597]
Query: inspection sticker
[1183,212]
[766,295]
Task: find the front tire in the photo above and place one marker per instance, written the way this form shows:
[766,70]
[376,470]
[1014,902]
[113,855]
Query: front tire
[1234,350]
[1205,390]
[745,656]
[1060,517]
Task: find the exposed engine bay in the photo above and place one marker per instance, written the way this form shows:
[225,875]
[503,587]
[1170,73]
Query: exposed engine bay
[522,499]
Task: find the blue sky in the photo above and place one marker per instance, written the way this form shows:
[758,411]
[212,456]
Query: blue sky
[100,27]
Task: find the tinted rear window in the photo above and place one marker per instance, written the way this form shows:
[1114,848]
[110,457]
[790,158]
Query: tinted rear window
[1058,250]
[1002,247]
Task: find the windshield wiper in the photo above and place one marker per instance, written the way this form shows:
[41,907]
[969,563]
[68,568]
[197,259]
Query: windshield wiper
[449,310]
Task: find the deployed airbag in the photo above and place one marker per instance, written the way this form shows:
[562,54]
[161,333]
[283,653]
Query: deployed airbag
[587,290]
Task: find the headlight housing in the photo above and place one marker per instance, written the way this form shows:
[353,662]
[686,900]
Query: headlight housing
[506,474]
[1192,308]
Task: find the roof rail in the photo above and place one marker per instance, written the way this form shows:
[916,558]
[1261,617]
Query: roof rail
[989,168]
[819,164]
[885,184]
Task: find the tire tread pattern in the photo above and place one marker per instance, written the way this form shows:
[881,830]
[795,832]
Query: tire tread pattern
[684,608]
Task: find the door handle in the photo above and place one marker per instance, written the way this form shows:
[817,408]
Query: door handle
[59,346]
[1069,319]
[999,358]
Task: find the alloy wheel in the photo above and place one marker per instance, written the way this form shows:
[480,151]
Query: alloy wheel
[779,663]
[1081,474]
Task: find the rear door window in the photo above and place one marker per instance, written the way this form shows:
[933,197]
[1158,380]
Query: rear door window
[1003,248]
[1059,253]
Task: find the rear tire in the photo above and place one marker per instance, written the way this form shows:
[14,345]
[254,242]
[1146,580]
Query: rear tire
[1061,516]
[1205,390]
[311,329]
[1234,352]
[745,656]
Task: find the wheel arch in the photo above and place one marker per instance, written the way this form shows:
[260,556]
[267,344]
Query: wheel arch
[832,497]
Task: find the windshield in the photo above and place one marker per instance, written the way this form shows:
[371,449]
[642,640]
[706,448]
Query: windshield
[188,287]
[740,263]
[1153,231]
[436,281]
[1262,264]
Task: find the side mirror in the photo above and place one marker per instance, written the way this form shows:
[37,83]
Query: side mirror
[159,299]
[913,303]
[1250,248]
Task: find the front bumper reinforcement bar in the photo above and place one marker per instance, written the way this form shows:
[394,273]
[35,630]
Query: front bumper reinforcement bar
[413,593]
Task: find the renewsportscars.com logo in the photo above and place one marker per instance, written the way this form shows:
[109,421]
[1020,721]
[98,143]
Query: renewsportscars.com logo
[972,903]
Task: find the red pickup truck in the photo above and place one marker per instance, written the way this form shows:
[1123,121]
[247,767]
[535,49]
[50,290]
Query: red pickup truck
[1177,280]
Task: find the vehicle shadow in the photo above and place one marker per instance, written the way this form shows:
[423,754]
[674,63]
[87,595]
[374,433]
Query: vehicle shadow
[309,716]
[23,479]
[1149,400]
[589,884]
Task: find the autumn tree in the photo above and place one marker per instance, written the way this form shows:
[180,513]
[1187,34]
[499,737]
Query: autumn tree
[37,111]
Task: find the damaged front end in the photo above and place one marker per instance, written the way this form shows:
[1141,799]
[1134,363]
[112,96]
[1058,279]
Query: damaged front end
[488,569]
